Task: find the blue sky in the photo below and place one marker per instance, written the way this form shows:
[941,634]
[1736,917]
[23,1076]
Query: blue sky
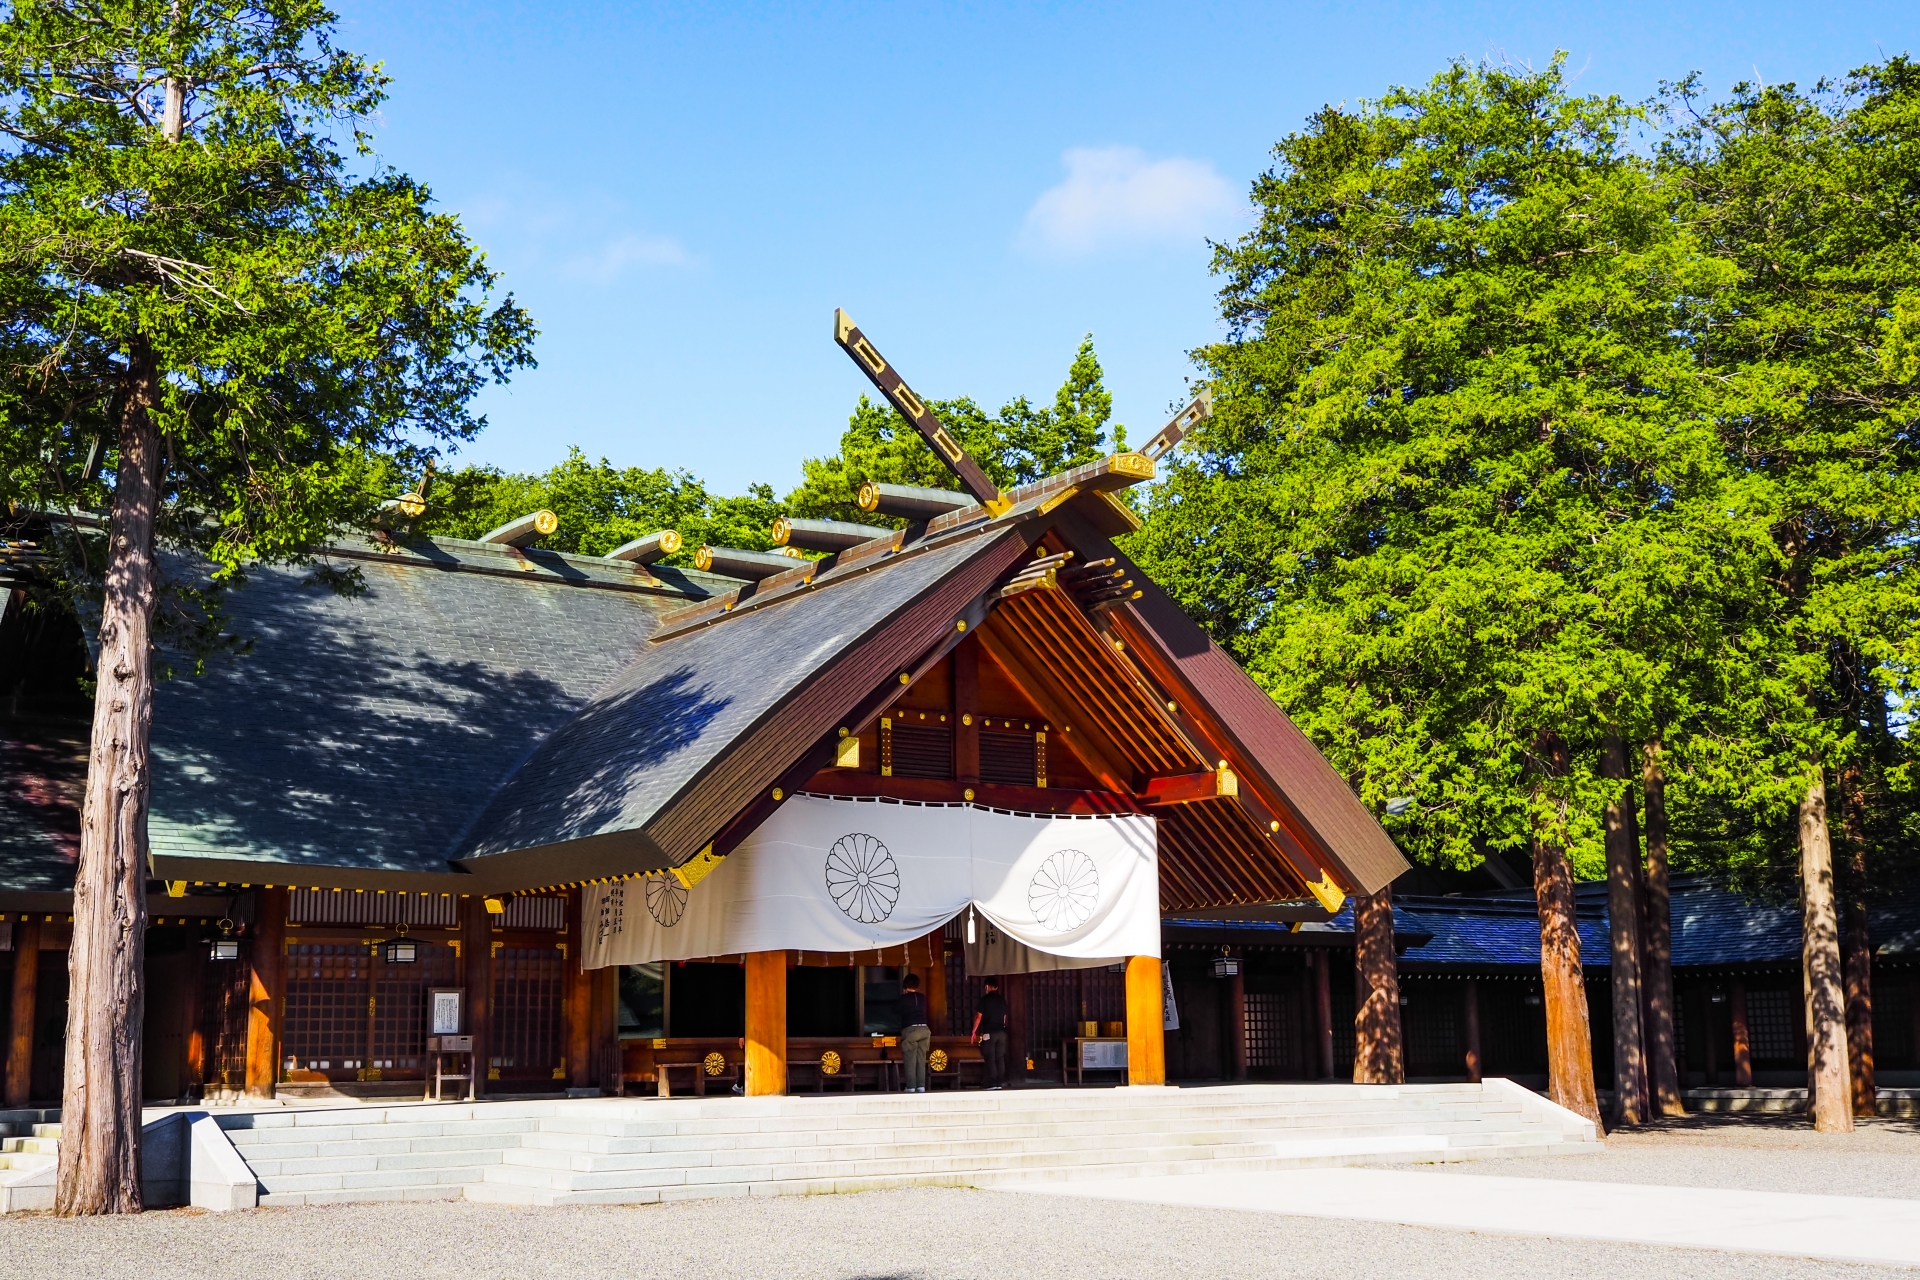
[681,194]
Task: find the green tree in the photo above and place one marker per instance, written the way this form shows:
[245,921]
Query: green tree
[1017,446]
[1813,199]
[196,277]
[1460,503]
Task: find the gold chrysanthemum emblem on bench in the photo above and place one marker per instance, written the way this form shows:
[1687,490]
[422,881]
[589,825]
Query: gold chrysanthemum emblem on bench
[830,1063]
[714,1063]
[937,1060]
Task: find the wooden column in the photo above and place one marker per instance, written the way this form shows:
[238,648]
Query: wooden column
[1014,987]
[26,979]
[266,985]
[476,946]
[935,981]
[1702,1000]
[1237,1020]
[1146,1022]
[1472,1000]
[1323,1007]
[966,712]
[766,1023]
[193,1067]
[1742,1044]
[603,1031]
[579,1000]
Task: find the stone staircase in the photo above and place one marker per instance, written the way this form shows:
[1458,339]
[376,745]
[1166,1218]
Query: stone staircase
[29,1154]
[629,1150]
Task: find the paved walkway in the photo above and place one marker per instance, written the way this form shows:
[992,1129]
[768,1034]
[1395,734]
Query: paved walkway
[1830,1228]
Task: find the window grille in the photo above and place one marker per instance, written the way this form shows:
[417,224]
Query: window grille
[371,906]
[1342,1000]
[1008,759]
[1770,1017]
[922,751]
[536,913]
[526,1021]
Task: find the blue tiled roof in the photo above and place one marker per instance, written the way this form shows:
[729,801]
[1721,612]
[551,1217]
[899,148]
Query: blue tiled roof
[1712,926]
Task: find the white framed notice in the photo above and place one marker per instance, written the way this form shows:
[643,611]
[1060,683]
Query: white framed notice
[444,1010]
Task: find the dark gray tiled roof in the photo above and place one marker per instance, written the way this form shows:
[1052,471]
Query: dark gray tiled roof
[368,731]
[669,715]
[43,767]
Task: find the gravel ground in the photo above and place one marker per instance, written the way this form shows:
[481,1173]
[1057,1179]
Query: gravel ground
[881,1235]
[956,1235]
[1880,1158]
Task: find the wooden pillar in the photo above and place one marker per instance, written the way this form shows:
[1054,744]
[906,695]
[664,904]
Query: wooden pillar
[966,709]
[193,1066]
[603,1031]
[1710,1039]
[476,944]
[935,981]
[1742,1044]
[1472,1001]
[1146,1022]
[1237,1019]
[266,985]
[579,1002]
[1323,1006]
[26,979]
[1014,987]
[766,1023]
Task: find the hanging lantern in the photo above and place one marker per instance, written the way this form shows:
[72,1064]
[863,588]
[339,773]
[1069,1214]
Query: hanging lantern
[226,946]
[1226,967]
[401,949]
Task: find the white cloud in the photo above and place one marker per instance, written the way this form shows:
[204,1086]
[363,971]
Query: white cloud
[624,253]
[1115,197]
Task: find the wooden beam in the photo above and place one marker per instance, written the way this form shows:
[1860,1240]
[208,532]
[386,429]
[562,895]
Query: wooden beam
[766,1068]
[1146,1022]
[1182,788]
[890,384]
[26,979]
[266,986]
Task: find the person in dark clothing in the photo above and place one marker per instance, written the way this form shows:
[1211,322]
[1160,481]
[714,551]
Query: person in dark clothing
[990,1032]
[915,1035]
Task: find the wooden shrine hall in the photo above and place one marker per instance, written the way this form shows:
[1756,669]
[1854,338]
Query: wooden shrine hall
[455,782]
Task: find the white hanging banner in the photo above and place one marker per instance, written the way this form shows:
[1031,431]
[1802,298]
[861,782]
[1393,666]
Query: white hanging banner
[857,875]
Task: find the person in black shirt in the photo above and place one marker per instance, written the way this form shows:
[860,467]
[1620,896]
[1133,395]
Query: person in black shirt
[990,1033]
[915,1035]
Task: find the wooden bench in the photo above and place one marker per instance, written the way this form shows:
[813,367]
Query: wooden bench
[696,1072]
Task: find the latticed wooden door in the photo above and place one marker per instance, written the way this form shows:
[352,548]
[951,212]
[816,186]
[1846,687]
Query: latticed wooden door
[327,1008]
[223,1020]
[526,1029]
[399,1011]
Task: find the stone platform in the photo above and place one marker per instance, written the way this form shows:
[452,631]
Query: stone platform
[637,1150]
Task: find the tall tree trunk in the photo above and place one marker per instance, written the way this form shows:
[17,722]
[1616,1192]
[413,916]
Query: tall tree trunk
[100,1106]
[1623,915]
[1828,1100]
[1377,1056]
[1569,1033]
[1656,943]
[1859,943]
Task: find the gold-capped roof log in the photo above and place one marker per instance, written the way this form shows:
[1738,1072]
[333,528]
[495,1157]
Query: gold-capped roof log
[524,531]
[910,501]
[823,535]
[648,550]
[738,562]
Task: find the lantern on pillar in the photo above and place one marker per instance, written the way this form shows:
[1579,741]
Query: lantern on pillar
[226,946]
